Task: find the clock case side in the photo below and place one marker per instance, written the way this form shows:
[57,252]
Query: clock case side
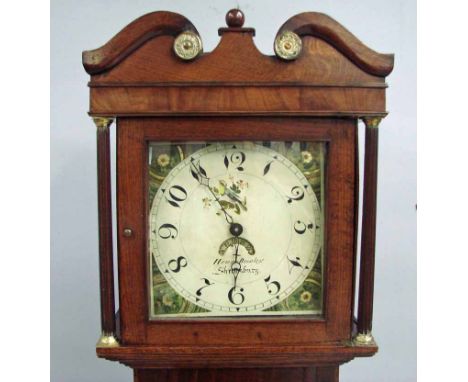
[137,75]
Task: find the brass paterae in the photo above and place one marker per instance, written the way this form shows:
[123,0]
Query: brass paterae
[288,45]
[188,45]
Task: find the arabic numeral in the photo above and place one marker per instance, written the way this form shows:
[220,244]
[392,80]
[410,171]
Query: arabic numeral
[236,158]
[177,264]
[300,227]
[295,263]
[207,284]
[167,231]
[236,296]
[175,195]
[273,286]
[297,193]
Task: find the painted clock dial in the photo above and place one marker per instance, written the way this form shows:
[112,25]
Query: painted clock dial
[235,228]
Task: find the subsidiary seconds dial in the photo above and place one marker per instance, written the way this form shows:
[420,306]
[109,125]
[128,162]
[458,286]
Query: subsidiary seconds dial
[235,228]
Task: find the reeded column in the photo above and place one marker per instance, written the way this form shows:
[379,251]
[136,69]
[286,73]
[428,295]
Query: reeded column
[367,265]
[106,262]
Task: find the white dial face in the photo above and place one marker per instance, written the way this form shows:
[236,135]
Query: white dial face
[235,228]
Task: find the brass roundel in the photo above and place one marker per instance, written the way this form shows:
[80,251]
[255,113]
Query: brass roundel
[188,45]
[288,45]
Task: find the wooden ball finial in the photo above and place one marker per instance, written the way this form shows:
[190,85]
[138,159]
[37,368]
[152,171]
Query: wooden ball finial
[235,18]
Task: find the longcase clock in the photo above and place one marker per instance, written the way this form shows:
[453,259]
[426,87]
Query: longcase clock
[237,199]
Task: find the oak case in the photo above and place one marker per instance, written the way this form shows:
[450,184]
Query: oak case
[235,93]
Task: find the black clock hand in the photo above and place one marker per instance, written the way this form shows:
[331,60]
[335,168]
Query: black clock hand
[236,266]
[227,216]
[233,196]
[205,181]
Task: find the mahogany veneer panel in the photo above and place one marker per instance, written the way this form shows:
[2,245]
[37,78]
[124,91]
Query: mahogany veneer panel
[245,100]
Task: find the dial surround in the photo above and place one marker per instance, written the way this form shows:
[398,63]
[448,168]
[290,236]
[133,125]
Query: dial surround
[262,191]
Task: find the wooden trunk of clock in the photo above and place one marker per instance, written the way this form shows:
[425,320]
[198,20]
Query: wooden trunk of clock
[152,78]
[298,374]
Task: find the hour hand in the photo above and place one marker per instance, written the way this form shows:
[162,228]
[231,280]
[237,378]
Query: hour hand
[199,173]
[236,265]
[235,269]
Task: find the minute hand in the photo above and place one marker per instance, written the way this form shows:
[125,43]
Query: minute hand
[233,196]
[205,181]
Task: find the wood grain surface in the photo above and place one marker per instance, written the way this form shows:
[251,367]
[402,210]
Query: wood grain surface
[106,257]
[306,374]
[237,93]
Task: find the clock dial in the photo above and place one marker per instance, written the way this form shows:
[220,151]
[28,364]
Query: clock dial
[235,229]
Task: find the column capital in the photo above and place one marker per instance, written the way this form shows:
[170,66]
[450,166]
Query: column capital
[372,122]
[103,123]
